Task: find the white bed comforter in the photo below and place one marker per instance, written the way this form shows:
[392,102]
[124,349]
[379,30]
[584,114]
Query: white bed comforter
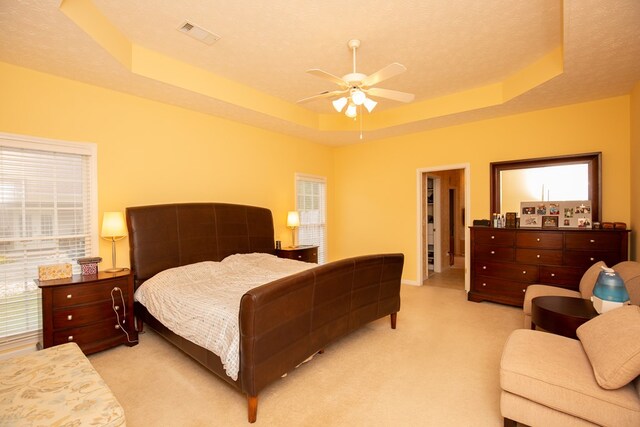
[201,301]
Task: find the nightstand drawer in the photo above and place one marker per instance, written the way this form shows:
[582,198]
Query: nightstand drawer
[300,253]
[87,335]
[87,293]
[84,314]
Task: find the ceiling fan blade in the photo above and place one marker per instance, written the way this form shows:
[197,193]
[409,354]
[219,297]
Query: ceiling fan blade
[384,74]
[328,76]
[322,95]
[391,94]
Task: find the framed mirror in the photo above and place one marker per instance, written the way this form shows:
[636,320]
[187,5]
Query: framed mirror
[571,177]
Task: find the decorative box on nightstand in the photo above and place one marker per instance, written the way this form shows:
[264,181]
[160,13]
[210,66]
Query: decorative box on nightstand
[93,311]
[306,253]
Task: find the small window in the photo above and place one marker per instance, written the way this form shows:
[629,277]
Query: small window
[311,203]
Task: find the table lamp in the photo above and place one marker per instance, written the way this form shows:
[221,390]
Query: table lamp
[293,222]
[609,291]
[113,229]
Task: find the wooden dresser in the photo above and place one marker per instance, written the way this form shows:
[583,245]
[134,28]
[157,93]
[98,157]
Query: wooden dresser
[82,309]
[505,261]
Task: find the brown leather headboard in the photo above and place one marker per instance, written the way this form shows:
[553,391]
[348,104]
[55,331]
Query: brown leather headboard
[167,236]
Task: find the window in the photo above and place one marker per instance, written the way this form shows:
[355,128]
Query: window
[47,211]
[311,203]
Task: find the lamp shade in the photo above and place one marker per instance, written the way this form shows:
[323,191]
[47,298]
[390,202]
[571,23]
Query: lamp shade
[351,111]
[370,104]
[293,219]
[113,225]
[339,104]
[358,97]
[609,291]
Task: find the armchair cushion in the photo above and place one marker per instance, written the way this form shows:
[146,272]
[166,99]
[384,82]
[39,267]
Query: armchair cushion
[612,344]
[589,279]
[554,371]
[629,271]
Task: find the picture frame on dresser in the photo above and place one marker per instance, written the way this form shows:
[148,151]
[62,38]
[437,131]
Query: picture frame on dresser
[549,221]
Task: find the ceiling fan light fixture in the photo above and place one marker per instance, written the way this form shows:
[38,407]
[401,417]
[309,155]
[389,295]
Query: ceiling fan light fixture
[339,104]
[351,111]
[370,104]
[358,97]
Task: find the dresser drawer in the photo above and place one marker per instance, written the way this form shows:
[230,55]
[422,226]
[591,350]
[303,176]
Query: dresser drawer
[491,252]
[588,258]
[537,239]
[492,236]
[87,335]
[566,277]
[500,286]
[515,272]
[592,241]
[539,256]
[65,296]
[83,314]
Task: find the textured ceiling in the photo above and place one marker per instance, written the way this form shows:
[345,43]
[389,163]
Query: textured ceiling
[448,47]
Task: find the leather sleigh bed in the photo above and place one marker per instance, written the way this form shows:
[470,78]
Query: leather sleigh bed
[281,323]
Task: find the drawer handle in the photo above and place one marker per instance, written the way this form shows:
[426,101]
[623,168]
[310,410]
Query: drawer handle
[538,239]
[524,271]
[524,290]
[592,259]
[484,284]
[69,317]
[116,308]
[484,267]
[299,256]
[68,296]
[553,274]
[592,241]
[117,326]
[493,237]
[493,252]
[70,338]
[538,256]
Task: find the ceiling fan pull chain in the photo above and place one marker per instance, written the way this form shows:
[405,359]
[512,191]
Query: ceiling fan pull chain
[360,108]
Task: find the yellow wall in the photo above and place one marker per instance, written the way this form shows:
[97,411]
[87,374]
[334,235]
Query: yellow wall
[376,199]
[635,172]
[150,152]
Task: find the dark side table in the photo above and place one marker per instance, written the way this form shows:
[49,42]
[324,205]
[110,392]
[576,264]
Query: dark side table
[561,315]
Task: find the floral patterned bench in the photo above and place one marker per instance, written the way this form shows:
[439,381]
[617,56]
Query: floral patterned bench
[56,386]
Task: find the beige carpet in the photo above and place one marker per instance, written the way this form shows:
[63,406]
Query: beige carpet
[439,368]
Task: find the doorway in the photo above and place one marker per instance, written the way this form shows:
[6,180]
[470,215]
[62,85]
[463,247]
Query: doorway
[443,198]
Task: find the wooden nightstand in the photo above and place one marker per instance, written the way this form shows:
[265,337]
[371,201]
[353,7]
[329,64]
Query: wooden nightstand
[306,253]
[83,309]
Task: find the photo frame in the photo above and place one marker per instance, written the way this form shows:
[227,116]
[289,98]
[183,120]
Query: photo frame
[567,214]
[549,221]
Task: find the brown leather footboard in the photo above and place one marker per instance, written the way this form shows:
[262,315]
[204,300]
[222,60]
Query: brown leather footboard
[284,322]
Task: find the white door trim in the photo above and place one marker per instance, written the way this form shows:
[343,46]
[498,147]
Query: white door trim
[467,211]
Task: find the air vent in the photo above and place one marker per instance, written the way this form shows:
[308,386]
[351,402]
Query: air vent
[198,33]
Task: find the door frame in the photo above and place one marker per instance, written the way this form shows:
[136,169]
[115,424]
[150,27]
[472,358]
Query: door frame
[421,203]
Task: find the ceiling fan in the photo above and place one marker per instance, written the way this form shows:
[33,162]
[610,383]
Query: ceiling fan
[355,88]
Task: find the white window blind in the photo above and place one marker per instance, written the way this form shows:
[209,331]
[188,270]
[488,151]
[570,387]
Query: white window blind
[47,210]
[311,203]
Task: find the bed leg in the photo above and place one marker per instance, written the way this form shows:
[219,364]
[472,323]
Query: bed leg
[252,406]
[139,325]
[394,318]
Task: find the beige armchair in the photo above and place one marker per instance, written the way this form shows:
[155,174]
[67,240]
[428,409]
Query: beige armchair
[629,272]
